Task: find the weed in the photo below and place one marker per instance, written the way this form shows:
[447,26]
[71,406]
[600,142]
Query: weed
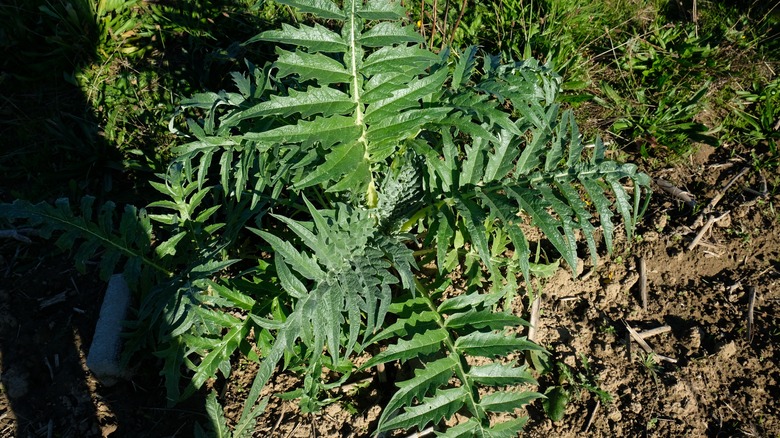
[651,423]
[570,381]
[660,91]
[607,328]
[650,364]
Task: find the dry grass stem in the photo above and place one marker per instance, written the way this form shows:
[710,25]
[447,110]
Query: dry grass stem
[532,330]
[16,235]
[422,433]
[592,415]
[279,420]
[381,375]
[643,282]
[645,346]
[635,336]
[682,195]
[654,331]
[716,199]
[751,290]
[59,298]
[697,240]
[350,386]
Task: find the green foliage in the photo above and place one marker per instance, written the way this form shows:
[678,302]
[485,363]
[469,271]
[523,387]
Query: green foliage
[357,158]
[754,120]
[445,339]
[582,378]
[664,79]
[556,31]
[217,424]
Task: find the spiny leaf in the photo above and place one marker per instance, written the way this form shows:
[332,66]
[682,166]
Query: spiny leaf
[473,299]
[507,429]
[216,416]
[623,204]
[583,216]
[315,100]
[472,168]
[320,8]
[432,376]
[407,97]
[316,38]
[389,33]
[326,130]
[483,318]
[382,10]
[221,350]
[408,58]
[496,374]
[432,409]
[493,344]
[61,218]
[328,318]
[356,181]
[501,209]
[464,67]
[474,218]
[169,246]
[236,298]
[444,235]
[468,429]
[507,401]
[564,213]
[421,343]
[343,159]
[324,69]
[602,204]
[289,282]
[501,161]
[536,207]
[555,403]
[302,263]
[385,135]
[417,322]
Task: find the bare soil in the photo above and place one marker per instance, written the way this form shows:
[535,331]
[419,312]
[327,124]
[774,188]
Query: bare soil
[719,378]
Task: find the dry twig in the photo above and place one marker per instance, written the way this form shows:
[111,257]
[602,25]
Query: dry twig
[422,433]
[16,235]
[654,331]
[592,415]
[682,195]
[751,290]
[279,420]
[704,229]
[534,317]
[643,282]
[645,346]
[59,298]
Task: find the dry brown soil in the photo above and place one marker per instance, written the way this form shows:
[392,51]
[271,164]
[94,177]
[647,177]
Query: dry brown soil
[719,378]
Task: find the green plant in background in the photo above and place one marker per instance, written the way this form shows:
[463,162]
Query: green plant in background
[557,32]
[755,119]
[654,97]
[357,157]
[560,395]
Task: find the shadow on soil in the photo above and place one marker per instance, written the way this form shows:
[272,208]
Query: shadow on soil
[54,145]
